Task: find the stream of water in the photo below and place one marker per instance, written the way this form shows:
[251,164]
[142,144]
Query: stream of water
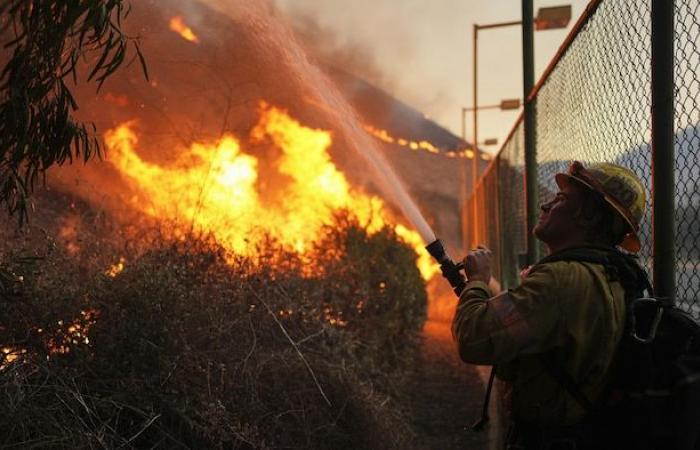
[272,33]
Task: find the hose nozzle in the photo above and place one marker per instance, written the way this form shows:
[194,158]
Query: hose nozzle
[451,271]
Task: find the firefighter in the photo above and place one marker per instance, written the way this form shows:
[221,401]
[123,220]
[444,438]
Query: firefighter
[570,313]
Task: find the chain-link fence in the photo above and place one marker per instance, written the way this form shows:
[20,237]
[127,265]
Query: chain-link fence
[687,167]
[500,209]
[594,106]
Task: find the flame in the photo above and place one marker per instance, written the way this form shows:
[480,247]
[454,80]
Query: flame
[429,147]
[10,355]
[59,342]
[116,269]
[426,264]
[177,24]
[73,333]
[216,188]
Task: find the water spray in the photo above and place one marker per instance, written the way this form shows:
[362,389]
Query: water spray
[273,34]
[451,271]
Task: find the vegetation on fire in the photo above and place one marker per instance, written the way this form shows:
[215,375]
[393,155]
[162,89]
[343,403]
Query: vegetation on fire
[186,347]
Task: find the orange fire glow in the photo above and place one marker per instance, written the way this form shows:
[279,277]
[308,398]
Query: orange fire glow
[426,146]
[116,99]
[59,342]
[9,355]
[177,24]
[115,269]
[73,333]
[68,235]
[217,188]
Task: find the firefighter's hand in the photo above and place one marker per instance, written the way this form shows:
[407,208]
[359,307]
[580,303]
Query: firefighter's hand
[525,272]
[477,264]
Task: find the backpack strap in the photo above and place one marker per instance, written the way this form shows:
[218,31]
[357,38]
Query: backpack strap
[620,266]
[565,380]
[627,271]
[563,377]
[591,254]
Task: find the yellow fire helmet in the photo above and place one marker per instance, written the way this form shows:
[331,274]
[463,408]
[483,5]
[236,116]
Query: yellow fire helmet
[621,189]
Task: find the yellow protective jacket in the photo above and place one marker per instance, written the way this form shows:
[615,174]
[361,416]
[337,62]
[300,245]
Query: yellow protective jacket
[567,309]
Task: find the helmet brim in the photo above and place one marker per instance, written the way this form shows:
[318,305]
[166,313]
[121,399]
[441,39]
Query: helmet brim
[631,241]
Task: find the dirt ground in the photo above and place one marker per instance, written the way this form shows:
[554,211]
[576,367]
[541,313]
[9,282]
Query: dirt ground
[447,395]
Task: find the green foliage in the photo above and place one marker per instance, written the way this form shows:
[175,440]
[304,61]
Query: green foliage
[187,348]
[44,41]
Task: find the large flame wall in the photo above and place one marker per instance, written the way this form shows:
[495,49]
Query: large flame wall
[214,188]
[195,146]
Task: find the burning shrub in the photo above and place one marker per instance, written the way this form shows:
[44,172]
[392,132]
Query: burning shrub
[186,347]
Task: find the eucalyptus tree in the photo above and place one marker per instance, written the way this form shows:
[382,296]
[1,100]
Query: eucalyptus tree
[45,45]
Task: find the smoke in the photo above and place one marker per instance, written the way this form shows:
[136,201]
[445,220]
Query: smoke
[247,53]
[200,91]
[381,42]
[330,49]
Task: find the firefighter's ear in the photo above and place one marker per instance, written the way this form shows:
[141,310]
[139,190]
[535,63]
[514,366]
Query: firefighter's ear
[589,213]
[594,225]
[588,217]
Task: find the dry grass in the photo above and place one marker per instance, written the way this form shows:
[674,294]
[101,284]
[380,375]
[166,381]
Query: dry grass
[184,349]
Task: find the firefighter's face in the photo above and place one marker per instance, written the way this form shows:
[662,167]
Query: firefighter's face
[558,218]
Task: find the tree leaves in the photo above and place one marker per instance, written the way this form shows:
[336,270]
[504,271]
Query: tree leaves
[43,41]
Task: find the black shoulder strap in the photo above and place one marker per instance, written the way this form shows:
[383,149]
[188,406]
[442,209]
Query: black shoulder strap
[565,380]
[631,275]
[623,266]
[583,254]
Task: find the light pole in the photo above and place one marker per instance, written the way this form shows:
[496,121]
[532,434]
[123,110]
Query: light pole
[504,105]
[547,19]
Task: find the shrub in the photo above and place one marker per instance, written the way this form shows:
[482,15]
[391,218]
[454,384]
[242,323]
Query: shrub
[188,347]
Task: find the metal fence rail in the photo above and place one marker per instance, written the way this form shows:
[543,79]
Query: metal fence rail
[594,106]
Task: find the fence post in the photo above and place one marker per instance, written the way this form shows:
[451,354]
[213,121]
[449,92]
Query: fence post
[475,137]
[531,189]
[662,145]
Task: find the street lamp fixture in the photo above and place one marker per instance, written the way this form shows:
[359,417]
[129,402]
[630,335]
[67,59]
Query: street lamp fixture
[505,105]
[510,104]
[553,17]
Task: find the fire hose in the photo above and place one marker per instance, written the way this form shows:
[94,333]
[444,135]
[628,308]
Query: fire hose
[452,271]
[455,275]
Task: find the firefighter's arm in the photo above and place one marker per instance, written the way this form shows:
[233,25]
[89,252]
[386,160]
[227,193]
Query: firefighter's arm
[523,320]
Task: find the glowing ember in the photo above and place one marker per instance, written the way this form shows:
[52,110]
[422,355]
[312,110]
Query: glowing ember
[216,188]
[75,333]
[115,269]
[177,24]
[59,342]
[9,355]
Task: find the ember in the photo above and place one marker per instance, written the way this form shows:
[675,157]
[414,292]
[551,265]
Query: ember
[115,269]
[177,24]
